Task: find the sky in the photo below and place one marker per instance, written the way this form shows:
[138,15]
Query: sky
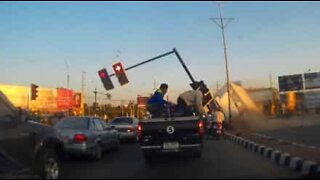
[36,38]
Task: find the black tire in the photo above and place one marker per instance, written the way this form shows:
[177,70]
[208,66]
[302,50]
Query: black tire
[48,165]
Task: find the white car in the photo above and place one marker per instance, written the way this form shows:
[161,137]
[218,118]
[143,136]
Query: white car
[126,126]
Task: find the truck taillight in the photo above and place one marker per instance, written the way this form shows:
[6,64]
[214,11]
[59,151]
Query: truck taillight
[139,128]
[201,129]
[200,124]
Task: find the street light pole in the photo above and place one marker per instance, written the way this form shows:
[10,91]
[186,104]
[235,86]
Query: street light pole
[68,75]
[223,26]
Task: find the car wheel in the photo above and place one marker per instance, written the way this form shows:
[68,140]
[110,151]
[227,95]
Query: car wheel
[48,165]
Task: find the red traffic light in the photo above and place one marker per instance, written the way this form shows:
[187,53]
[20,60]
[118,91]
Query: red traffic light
[118,68]
[105,79]
[102,74]
[120,73]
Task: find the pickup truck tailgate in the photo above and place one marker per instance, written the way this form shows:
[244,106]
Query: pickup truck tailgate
[184,130]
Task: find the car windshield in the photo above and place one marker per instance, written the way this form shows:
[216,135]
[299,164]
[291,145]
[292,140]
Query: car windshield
[187,89]
[73,123]
[122,121]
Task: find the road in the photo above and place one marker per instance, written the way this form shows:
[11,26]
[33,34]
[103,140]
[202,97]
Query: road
[303,135]
[221,159]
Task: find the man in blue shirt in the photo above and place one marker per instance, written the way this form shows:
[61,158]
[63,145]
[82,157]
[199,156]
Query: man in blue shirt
[156,103]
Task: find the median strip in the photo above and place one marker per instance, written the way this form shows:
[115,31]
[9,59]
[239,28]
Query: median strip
[296,163]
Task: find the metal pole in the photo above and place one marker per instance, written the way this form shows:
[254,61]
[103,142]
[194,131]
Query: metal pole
[222,26]
[95,100]
[89,111]
[95,95]
[68,76]
[184,66]
[68,80]
[226,61]
[147,61]
[82,93]
[160,56]
[137,112]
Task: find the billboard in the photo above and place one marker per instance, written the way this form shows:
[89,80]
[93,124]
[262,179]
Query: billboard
[64,99]
[142,101]
[77,100]
[290,83]
[312,99]
[312,80]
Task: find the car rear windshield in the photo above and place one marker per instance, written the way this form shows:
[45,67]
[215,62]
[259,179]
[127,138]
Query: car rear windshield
[122,121]
[73,123]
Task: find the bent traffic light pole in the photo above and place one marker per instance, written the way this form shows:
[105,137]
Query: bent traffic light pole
[207,95]
[174,51]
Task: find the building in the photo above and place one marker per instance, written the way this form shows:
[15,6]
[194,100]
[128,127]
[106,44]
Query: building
[50,100]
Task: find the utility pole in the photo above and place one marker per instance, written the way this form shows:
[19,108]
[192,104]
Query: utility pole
[82,92]
[271,81]
[95,100]
[68,75]
[220,21]
[122,107]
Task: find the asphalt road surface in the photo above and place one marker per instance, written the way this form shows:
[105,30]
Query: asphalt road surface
[303,135]
[220,159]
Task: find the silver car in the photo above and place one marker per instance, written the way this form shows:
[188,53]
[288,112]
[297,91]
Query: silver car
[126,126]
[87,136]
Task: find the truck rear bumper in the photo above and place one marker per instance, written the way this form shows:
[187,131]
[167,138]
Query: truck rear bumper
[182,148]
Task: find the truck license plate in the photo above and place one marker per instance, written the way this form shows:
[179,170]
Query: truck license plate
[171,145]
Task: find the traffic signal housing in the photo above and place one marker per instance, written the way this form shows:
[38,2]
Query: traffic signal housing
[105,79]
[34,92]
[120,73]
[207,96]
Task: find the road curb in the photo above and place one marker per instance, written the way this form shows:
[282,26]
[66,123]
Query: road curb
[305,167]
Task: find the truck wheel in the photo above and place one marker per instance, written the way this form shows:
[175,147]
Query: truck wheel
[48,165]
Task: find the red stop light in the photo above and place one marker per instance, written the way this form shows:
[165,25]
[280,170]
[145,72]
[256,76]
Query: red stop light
[120,73]
[102,74]
[105,78]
